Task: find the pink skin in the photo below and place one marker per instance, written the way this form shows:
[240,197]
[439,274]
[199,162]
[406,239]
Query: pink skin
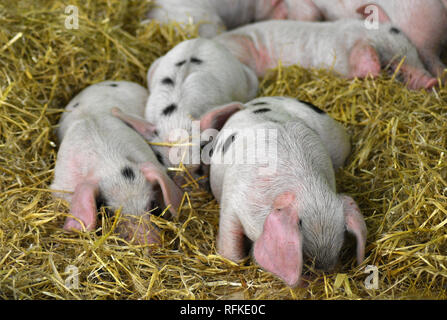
[364,61]
[83,207]
[279,249]
[303,10]
[355,225]
[217,117]
[146,129]
[172,195]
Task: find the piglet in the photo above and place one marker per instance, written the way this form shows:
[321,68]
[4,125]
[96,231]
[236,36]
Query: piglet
[214,16]
[423,21]
[292,209]
[345,46]
[191,80]
[101,160]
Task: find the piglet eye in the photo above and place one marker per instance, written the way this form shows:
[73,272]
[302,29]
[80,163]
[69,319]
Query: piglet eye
[300,223]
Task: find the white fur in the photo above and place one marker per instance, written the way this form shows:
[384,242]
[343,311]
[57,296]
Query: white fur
[197,87]
[315,45]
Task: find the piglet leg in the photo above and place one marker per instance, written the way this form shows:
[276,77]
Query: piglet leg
[254,55]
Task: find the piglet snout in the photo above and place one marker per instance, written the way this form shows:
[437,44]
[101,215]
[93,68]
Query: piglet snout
[139,230]
[418,79]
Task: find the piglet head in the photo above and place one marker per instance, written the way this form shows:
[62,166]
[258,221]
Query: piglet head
[288,234]
[136,189]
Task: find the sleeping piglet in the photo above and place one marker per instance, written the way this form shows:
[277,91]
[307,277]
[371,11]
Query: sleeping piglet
[185,85]
[423,21]
[103,161]
[347,46]
[214,16]
[293,210]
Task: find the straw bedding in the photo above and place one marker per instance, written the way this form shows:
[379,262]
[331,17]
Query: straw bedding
[397,173]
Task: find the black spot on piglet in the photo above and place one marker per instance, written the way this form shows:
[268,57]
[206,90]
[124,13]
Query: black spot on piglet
[128,173]
[263,110]
[394,30]
[159,157]
[168,81]
[228,142]
[196,60]
[169,109]
[101,201]
[313,107]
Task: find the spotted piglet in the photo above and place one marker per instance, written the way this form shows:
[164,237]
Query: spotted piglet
[423,21]
[345,46]
[278,189]
[185,85]
[101,161]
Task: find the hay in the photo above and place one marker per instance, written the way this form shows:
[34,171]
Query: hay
[397,173]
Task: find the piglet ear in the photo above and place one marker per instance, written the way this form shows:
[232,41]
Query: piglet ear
[371,8]
[146,129]
[355,224]
[364,60]
[217,117]
[172,194]
[279,248]
[83,207]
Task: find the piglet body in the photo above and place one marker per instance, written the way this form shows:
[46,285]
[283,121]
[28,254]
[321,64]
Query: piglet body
[101,159]
[344,46]
[423,21]
[188,82]
[292,211]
